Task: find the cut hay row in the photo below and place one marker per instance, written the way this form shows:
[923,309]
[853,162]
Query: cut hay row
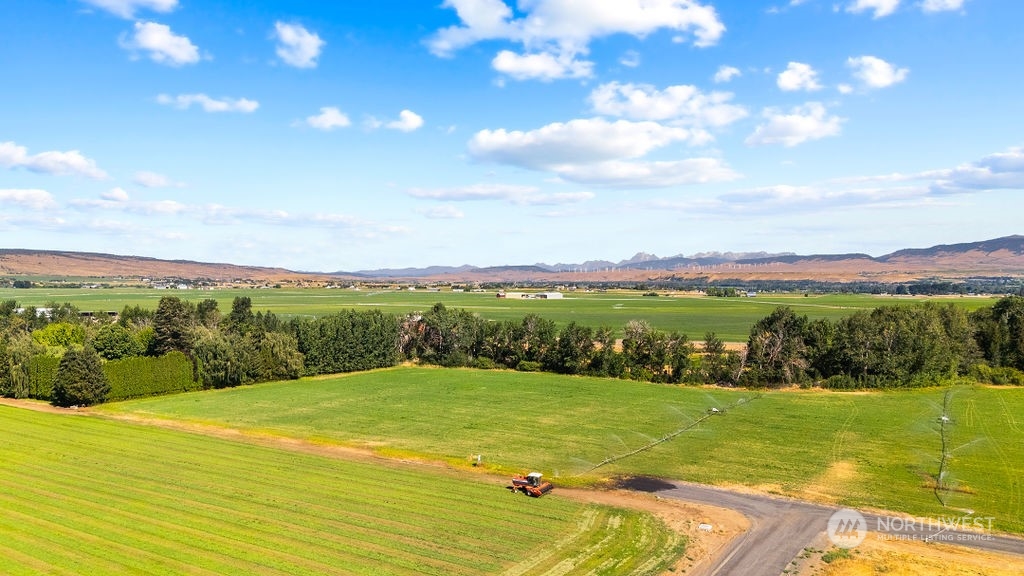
[88,496]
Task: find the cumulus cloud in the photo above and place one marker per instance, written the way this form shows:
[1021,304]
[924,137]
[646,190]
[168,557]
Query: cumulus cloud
[70,163]
[543,66]
[803,123]
[726,74]
[208,104]
[599,152]
[514,194]
[580,141]
[32,199]
[408,121]
[554,33]
[798,76]
[683,103]
[881,8]
[329,118]
[874,72]
[127,8]
[161,45]
[297,46]
[116,195]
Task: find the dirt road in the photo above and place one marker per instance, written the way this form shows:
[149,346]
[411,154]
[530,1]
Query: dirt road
[781,528]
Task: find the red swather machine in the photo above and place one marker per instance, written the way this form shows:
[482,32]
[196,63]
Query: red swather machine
[532,485]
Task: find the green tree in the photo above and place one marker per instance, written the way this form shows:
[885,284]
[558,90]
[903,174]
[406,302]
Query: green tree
[60,335]
[573,350]
[113,341]
[80,380]
[714,361]
[240,320]
[776,348]
[207,313]
[172,327]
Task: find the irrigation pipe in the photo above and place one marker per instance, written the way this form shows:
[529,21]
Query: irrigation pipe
[666,437]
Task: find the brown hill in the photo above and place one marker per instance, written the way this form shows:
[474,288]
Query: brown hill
[1001,257]
[91,265]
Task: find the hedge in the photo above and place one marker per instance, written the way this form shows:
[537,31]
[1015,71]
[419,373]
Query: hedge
[141,376]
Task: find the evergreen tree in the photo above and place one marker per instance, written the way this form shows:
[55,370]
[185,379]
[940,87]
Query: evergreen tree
[80,380]
[172,327]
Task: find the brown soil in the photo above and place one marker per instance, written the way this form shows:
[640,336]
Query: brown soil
[903,558]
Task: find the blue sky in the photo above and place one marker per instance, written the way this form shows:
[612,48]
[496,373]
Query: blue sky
[353,135]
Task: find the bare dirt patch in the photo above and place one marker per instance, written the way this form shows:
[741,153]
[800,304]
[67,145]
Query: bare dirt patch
[40,406]
[905,558]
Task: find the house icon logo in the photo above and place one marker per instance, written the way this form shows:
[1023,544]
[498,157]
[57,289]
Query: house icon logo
[847,528]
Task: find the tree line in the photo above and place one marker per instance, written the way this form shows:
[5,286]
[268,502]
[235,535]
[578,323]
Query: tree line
[63,357]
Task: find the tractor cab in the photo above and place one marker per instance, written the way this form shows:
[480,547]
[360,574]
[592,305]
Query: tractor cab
[534,478]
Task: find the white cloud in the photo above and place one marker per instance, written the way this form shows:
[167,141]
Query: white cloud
[808,122]
[686,104]
[1000,171]
[154,180]
[941,5]
[845,89]
[876,73]
[441,212]
[620,174]
[726,74]
[580,141]
[631,59]
[126,8]
[881,8]
[554,32]
[596,151]
[33,199]
[185,101]
[297,46]
[798,76]
[116,195]
[70,163]
[541,66]
[514,194]
[408,121]
[162,45]
[329,118]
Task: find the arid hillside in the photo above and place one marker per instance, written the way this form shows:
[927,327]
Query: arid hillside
[1001,257]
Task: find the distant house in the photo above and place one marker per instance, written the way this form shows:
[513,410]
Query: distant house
[549,295]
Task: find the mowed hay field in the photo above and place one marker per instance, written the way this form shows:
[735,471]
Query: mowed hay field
[876,450]
[84,495]
[730,318]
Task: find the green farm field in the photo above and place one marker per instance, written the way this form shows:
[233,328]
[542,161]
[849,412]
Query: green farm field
[876,450]
[84,495]
[730,318]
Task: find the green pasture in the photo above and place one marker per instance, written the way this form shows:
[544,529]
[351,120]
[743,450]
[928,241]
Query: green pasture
[730,318]
[82,495]
[877,449]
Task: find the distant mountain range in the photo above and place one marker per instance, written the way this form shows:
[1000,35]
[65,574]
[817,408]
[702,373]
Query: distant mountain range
[998,257]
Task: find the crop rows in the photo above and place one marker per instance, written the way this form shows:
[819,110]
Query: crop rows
[876,450]
[80,495]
